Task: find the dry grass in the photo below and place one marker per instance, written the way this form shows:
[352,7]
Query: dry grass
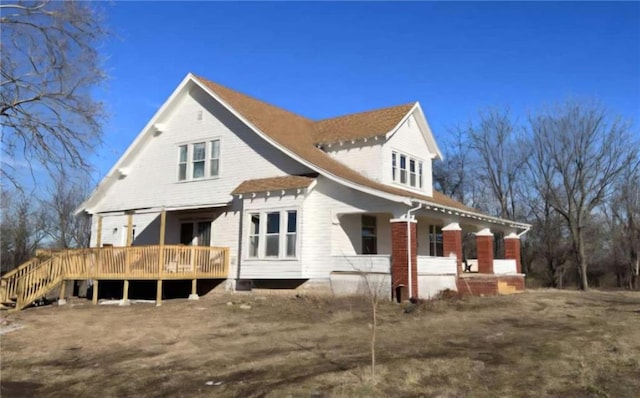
[536,344]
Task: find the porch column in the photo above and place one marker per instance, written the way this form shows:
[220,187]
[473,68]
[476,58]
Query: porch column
[484,245]
[452,243]
[404,255]
[99,232]
[512,249]
[129,228]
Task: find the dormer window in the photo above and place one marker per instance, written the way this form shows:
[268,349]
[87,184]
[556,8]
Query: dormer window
[406,170]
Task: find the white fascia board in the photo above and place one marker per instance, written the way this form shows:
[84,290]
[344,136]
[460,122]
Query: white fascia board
[99,192]
[286,151]
[400,123]
[429,137]
[470,214]
[427,134]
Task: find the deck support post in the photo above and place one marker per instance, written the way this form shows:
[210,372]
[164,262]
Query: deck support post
[125,294]
[194,290]
[159,293]
[95,292]
[163,228]
[61,300]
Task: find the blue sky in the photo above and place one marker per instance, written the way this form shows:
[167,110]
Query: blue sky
[328,59]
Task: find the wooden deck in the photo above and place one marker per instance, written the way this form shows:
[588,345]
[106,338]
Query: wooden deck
[159,262]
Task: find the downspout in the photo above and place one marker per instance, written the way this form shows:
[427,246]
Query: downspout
[409,246]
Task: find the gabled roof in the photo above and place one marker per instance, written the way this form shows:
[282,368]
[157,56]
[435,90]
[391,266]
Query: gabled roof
[273,184]
[299,134]
[299,137]
[360,125]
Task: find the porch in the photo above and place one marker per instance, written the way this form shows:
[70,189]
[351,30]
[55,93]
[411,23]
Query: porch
[155,262]
[429,252]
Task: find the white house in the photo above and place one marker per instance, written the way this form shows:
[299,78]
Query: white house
[299,202]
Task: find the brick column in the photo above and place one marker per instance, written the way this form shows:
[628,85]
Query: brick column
[484,244]
[512,249]
[400,258]
[452,243]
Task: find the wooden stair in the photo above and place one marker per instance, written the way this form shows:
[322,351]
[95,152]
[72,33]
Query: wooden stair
[29,282]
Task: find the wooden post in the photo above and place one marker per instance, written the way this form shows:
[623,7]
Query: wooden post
[125,293]
[129,228]
[61,300]
[194,290]
[163,227]
[99,234]
[95,292]
[159,293]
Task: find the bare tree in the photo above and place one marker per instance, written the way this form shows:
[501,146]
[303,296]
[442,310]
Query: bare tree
[547,242]
[500,157]
[65,195]
[375,289]
[23,228]
[50,64]
[625,211]
[579,154]
[450,175]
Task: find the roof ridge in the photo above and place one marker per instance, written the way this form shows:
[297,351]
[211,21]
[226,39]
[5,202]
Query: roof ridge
[385,108]
[250,97]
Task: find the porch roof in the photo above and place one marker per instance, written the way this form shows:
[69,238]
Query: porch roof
[273,184]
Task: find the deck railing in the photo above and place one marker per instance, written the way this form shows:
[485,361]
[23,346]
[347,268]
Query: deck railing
[115,263]
[146,262]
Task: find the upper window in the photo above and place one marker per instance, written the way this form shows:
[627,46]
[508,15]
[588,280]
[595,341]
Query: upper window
[406,170]
[273,234]
[199,160]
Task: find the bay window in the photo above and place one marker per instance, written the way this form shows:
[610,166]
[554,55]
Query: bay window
[273,234]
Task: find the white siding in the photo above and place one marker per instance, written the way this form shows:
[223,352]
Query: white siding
[152,180]
[501,267]
[436,274]
[114,229]
[362,263]
[364,157]
[428,265]
[346,284]
[324,236]
[409,140]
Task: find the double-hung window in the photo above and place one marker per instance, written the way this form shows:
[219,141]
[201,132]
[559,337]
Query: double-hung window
[369,235]
[182,162]
[406,170]
[199,160]
[436,241]
[273,234]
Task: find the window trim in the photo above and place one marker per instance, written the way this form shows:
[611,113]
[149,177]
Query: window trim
[282,234]
[208,159]
[398,173]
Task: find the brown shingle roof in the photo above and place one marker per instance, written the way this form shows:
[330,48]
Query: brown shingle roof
[298,135]
[360,125]
[273,184]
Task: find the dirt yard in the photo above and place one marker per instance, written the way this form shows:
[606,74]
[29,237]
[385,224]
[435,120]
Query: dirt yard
[535,344]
